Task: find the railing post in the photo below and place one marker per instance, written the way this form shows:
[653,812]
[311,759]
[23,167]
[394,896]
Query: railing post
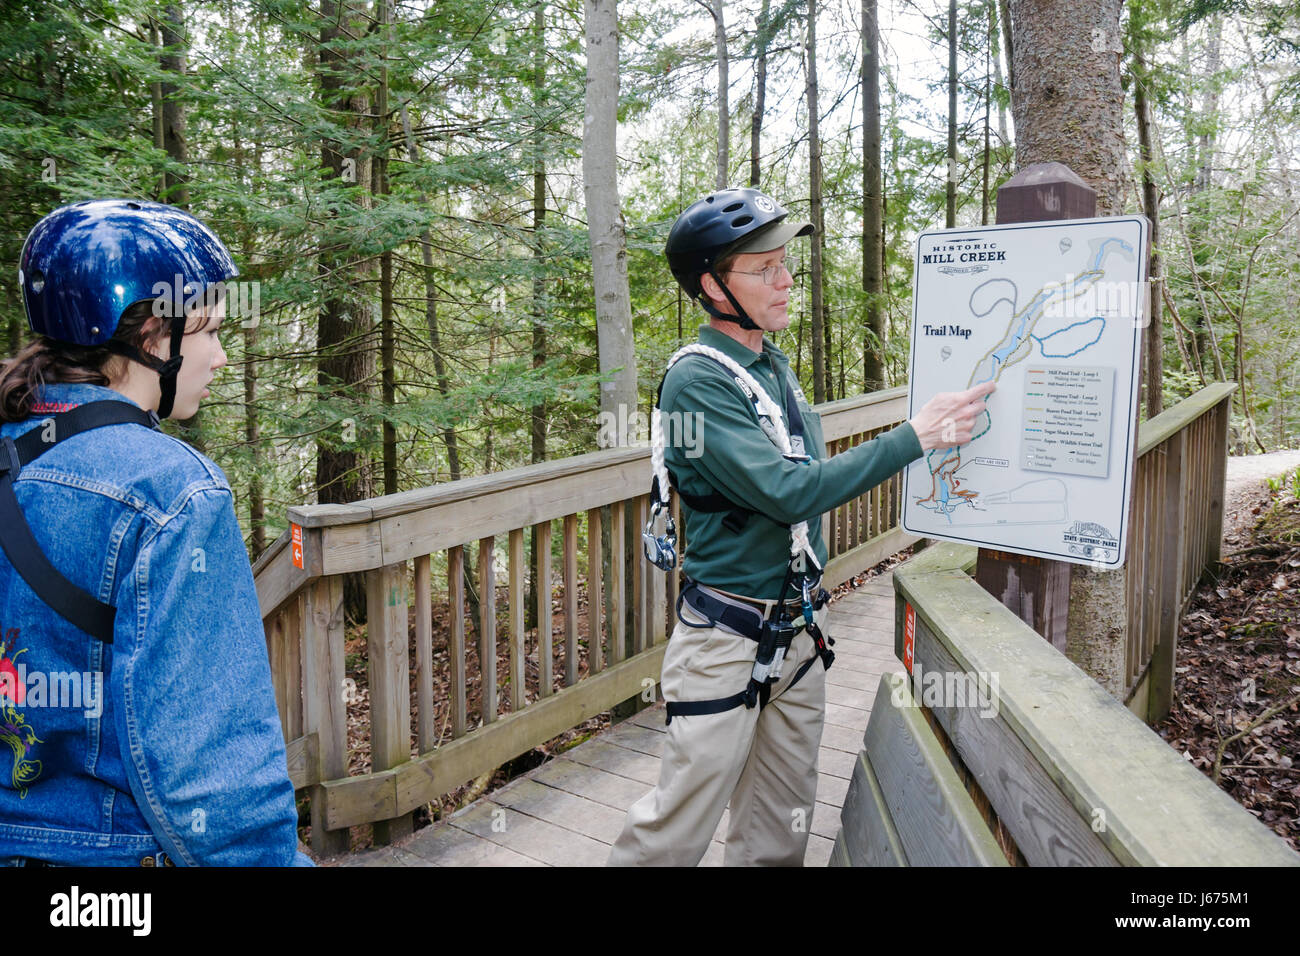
[515,608]
[390,681]
[1218,479]
[542,590]
[456,637]
[1037,590]
[324,702]
[426,729]
[487,631]
[1172,521]
[284,652]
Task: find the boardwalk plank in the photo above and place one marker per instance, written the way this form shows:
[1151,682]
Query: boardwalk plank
[652,718]
[837,763]
[831,790]
[619,760]
[641,739]
[565,810]
[590,783]
[836,737]
[530,836]
[448,845]
[858,697]
[853,718]
[826,820]
[819,851]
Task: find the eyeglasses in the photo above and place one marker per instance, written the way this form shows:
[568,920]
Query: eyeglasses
[772,273]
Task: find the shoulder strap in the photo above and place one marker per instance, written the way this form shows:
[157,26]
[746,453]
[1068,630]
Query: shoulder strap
[775,429]
[662,479]
[70,602]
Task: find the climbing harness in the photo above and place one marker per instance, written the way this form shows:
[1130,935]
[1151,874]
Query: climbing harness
[775,632]
[19,544]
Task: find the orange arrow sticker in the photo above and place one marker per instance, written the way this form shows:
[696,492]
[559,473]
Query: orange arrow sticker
[909,638]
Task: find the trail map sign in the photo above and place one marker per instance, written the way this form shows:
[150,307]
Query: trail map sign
[1053,312]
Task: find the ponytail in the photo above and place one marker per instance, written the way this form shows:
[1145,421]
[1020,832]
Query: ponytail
[48,361]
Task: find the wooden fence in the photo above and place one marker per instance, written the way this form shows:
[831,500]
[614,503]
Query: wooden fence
[397,541]
[1000,750]
[1177,527]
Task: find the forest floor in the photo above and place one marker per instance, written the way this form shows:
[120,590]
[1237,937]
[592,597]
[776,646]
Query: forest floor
[1236,711]
[1237,680]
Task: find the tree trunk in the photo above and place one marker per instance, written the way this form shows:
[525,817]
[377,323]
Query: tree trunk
[537,414]
[431,314]
[1068,108]
[988,111]
[1206,143]
[169,134]
[1004,8]
[604,217]
[873,344]
[172,60]
[724,110]
[345,338]
[248,325]
[815,209]
[1147,133]
[760,92]
[388,330]
[996,44]
[1066,97]
[950,206]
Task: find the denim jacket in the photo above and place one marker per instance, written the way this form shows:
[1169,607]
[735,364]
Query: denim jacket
[166,741]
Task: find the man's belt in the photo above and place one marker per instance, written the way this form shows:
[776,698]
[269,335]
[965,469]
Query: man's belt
[744,617]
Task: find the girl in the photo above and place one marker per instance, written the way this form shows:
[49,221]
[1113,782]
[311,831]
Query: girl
[135,693]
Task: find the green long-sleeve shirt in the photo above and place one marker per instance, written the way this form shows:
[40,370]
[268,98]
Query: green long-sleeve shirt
[713,441]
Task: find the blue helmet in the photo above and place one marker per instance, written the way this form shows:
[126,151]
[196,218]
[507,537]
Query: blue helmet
[85,264]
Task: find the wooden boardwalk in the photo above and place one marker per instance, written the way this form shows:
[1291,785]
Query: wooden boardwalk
[569,811]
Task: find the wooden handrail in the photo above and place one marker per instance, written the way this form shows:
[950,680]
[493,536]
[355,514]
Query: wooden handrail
[302,605]
[1073,775]
[414,522]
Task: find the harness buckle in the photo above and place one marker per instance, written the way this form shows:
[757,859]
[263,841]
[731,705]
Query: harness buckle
[772,645]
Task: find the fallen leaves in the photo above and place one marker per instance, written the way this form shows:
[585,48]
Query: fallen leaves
[1239,657]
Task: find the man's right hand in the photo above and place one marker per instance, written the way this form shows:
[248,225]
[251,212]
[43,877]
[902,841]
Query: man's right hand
[948,419]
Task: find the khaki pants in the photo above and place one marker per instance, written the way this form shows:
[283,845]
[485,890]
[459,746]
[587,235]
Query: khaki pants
[764,762]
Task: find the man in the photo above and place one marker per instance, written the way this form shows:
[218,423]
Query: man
[753,491]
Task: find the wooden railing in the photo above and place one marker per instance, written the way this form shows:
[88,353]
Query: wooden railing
[410,548]
[1177,527]
[999,749]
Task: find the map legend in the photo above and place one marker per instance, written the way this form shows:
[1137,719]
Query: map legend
[1067,420]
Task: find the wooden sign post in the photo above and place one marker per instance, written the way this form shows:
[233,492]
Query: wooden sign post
[1037,590]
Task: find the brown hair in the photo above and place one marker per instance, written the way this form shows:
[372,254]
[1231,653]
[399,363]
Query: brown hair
[48,361]
[724,263]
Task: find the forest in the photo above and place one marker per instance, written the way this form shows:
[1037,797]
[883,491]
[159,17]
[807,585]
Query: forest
[449,217]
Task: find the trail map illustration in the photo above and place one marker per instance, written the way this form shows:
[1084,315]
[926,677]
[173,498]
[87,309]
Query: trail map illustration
[1053,312]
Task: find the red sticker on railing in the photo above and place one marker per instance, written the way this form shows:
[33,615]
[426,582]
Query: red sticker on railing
[909,638]
[296,545]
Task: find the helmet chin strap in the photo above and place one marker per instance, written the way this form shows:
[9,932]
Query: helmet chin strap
[740,317]
[167,370]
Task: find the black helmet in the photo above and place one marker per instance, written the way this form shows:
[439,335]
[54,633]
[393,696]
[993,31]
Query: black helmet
[728,221]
